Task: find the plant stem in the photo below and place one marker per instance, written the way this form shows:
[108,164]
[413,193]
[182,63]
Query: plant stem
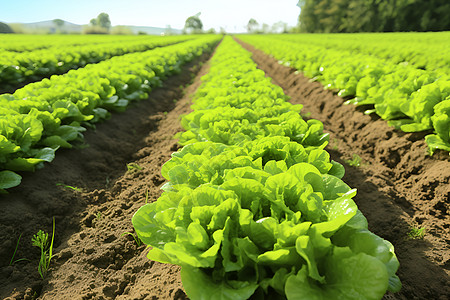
[15,250]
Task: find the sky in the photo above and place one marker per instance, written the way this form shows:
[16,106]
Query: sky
[232,15]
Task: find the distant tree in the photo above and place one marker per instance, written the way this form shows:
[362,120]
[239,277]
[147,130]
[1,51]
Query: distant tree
[279,27]
[194,23]
[168,30]
[308,19]
[99,25]
[295,29]
[142,32]
[265,28]
[362,16]
[252,25]
[4,28]
[58,23]
[418,15]
[104,21]
[222,30]
[374,15]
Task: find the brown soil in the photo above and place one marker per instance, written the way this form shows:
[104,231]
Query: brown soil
[399,185]
[95,257]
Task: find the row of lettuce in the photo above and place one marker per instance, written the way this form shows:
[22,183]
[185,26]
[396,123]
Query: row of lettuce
[19,68]
[41,117]
[424,50]
[410,98]
[29,42]
[253,206]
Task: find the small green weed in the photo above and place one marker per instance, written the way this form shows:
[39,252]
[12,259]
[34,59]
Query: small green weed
[99,216]
[416,232]
[70,187]
[12,261]
[41,241]
[133,167]
[135,237]
[146,196]
[356,161]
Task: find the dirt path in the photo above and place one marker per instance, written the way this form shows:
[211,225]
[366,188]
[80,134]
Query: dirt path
[399,186]
[95,258]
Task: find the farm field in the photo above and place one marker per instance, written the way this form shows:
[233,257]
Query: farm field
[94,190]
[409,87]
[20,65]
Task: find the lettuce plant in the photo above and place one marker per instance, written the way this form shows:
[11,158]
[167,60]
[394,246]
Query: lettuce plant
[441,123]
[420,107]
[259,230]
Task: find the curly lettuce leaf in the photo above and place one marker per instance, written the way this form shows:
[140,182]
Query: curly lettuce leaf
[346,276]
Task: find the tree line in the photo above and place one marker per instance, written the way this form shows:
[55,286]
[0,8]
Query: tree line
[102,25]
[323,16]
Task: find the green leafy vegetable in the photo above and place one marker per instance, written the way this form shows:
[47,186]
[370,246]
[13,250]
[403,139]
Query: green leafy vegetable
[8,179]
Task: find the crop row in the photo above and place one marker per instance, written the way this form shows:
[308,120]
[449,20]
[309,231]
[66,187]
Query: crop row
[30,42]
[41,117]
[17,68]
[254,206]
[411,99]
[425,50]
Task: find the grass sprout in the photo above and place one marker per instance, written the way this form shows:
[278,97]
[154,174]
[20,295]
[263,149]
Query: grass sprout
[135,237]
[416,232]
[356,161]
[41,241]
[70,187]
[133,167]
[146,196]
[99,216]
[12,261]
